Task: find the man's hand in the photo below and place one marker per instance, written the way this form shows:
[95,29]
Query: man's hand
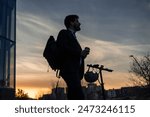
[85,52]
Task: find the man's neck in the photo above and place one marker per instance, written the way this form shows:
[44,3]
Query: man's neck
[72,30]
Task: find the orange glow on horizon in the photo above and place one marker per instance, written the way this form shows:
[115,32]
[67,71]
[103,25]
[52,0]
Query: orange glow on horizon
[35,92]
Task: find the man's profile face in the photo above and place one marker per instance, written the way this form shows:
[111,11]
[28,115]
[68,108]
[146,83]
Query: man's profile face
[76,25]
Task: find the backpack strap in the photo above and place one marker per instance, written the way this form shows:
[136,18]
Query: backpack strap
[57,73]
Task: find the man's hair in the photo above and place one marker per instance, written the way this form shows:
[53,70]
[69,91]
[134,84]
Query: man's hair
[69,19]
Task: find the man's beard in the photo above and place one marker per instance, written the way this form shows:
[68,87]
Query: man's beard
[77,28]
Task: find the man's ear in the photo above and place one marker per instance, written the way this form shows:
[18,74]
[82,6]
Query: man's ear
[71,23]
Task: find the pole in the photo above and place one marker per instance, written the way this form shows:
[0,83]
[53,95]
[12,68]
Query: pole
[102,84]
[100,68]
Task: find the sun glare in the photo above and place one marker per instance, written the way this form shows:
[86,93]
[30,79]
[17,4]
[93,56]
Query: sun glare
[35,93]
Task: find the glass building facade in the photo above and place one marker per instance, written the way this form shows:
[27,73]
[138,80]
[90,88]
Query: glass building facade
[7,44]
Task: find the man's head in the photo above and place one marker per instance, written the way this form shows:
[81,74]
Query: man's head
[71,21]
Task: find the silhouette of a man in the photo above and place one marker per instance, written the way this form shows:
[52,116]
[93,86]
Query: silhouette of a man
[73,56]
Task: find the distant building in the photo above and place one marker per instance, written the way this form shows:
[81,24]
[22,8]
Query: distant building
[7,48]
[57,94]
[129,93]
[111,93]
[93,92]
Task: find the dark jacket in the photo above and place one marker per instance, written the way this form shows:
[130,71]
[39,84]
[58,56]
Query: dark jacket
[70,53]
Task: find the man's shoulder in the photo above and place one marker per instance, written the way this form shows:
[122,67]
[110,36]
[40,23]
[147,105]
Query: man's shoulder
[64,31]
[62,34]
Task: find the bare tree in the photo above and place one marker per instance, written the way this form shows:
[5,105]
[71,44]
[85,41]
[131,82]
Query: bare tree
[21,95]
[141,68]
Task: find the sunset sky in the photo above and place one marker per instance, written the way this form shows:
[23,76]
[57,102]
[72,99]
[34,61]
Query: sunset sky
[113,29]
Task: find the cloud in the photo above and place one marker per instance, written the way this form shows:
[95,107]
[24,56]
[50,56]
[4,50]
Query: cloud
[125,22]
[102,52]
[32,35]
[112,54]
[112,30]
[35,25]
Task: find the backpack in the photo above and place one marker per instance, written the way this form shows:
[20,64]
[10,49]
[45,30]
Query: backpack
[51,54]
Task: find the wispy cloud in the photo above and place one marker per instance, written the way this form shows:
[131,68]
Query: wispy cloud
[112,30]
[112,54]
[31,46]
[32,34]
